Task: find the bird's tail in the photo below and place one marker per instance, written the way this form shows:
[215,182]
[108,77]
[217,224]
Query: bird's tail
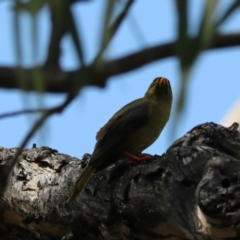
[81,182]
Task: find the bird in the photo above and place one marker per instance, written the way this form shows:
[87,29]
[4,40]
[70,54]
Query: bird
[129,131]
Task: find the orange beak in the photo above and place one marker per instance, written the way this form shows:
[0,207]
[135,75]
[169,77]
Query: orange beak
[162,81]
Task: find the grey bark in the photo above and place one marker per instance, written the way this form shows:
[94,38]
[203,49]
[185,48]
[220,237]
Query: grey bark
[191,192]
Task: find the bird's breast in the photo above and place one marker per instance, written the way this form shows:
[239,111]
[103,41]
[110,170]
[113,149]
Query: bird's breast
[149,132]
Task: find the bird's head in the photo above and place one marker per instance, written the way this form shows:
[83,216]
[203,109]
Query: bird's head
[160,90]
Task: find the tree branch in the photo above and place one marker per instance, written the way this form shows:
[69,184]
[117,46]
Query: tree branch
[191,192]
[112,29]
[58,13]
[21,112]
[58,81]
[5,171]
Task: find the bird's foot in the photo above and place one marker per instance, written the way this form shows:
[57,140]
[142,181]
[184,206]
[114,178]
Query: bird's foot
[134,158]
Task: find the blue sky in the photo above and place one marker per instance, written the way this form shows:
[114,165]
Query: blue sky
[213,87]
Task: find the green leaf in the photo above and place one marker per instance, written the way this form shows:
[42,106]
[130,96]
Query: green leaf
[38,76]
[188,49]
[31,6]
[107,18]
[187,53]
[208,25]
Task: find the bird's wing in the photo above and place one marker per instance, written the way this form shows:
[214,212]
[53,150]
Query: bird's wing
[123,123]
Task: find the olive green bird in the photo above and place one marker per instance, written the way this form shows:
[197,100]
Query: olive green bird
[129,131]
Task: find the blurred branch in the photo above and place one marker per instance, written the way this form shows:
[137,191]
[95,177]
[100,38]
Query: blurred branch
[62,23]
[109,9]
[235,6]
[58,81]
[72,29]
[137,31]
[204,38]
[58,30]
[5,172]
[20,112]
[182,20]
[112,29]
[207,28]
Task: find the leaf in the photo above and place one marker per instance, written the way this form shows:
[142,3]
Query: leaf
[108,14]
[186,58]
[207,25]
[31,6]
[188,49]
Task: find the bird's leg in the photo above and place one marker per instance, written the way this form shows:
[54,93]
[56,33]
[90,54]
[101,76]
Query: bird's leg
[134,158]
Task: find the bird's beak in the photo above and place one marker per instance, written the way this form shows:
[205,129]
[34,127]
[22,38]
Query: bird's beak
[162,81]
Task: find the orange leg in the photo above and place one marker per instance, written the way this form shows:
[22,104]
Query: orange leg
[134,158]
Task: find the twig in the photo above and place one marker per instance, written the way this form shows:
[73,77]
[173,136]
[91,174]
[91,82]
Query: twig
[58,31]
[20,112]
[6,171]
[113,29]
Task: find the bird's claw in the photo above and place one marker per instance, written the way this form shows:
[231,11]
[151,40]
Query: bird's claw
[134,158]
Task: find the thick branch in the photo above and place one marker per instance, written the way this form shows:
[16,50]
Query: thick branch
[58,81]
[191,192]
[5,172]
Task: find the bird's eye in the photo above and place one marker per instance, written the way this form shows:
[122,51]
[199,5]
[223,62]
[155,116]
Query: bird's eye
[154,81]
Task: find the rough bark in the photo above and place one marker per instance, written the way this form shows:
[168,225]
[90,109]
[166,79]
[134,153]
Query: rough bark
[191,192]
